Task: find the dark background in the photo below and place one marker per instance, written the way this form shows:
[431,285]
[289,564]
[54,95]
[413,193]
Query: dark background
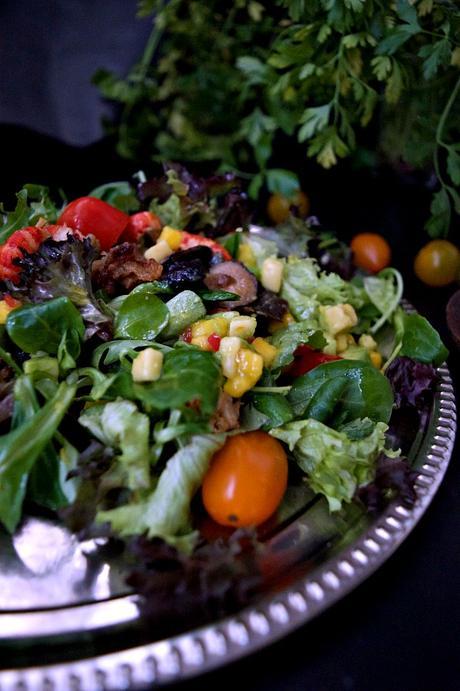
[400,628]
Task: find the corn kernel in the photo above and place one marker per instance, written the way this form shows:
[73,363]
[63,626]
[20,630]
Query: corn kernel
[243,327]
[160,251]
[266,349]
[228,350]
[376,358]
[246,256]
[272,274]
[202,342]
[338,318]
[249,370]
[206,327]
[5,309]
[147,365]
[341,343]
[276,325]
[172,236]
[367,342]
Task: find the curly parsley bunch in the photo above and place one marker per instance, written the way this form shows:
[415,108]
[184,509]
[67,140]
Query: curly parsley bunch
[221,80]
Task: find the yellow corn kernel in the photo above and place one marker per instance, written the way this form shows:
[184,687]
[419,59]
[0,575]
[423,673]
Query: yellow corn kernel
[367,342]
[272,274]
[202,343]
[147,365]
[276,325]
[243,327]
[266,349]
[172,236]
[5,309]
[206,327]
[246,256]
[341,343]
[228,350]
[376,358]
[160,251]
[337,318]
[249,370]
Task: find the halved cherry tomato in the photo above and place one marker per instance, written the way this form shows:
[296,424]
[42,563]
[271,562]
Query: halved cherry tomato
[191,240]
[305,359]
[26,239]
[370,252]
[246,480]
[438,263]
[139,224]
[94,216]
[279,207]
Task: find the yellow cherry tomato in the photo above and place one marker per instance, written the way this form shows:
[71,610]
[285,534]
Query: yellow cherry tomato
[246,480]
[438,263]
[279,206]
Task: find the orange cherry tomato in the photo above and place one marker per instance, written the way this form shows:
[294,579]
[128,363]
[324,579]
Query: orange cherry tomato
[246,481]
[279,206]
[438,263]
[370,252]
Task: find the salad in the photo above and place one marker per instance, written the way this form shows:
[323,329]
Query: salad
[162,360]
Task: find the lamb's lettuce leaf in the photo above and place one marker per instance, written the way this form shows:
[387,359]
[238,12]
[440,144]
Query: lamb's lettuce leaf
[43,326]
[142,314]
[20,448]
[184,308]
[335,464]
[341,391]
[165,512]
[190,382]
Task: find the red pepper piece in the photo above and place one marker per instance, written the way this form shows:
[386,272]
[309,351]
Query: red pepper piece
[306,359]
[214,341]
[139,224]
[191,240]
[26,239]
[11,301]
[94,216]
[187,335]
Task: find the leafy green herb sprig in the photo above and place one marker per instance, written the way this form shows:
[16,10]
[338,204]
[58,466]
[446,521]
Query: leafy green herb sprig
[221,80]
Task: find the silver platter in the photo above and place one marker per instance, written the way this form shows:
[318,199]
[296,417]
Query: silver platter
[100,610]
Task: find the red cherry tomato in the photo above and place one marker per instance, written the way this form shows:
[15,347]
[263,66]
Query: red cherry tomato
[139,224]
[438,263]
[246,480]
[305,359]
[190,240]
[26,239]
[94,216]
[370,252]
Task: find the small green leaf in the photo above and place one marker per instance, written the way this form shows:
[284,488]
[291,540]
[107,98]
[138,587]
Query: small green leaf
[439,221]
[282,181]
[453,165]
[314,120]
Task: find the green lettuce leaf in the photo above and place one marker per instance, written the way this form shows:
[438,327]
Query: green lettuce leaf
[165,512]
[120,425]
[305,287]
[335,464]
[287,341]
[384,291]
